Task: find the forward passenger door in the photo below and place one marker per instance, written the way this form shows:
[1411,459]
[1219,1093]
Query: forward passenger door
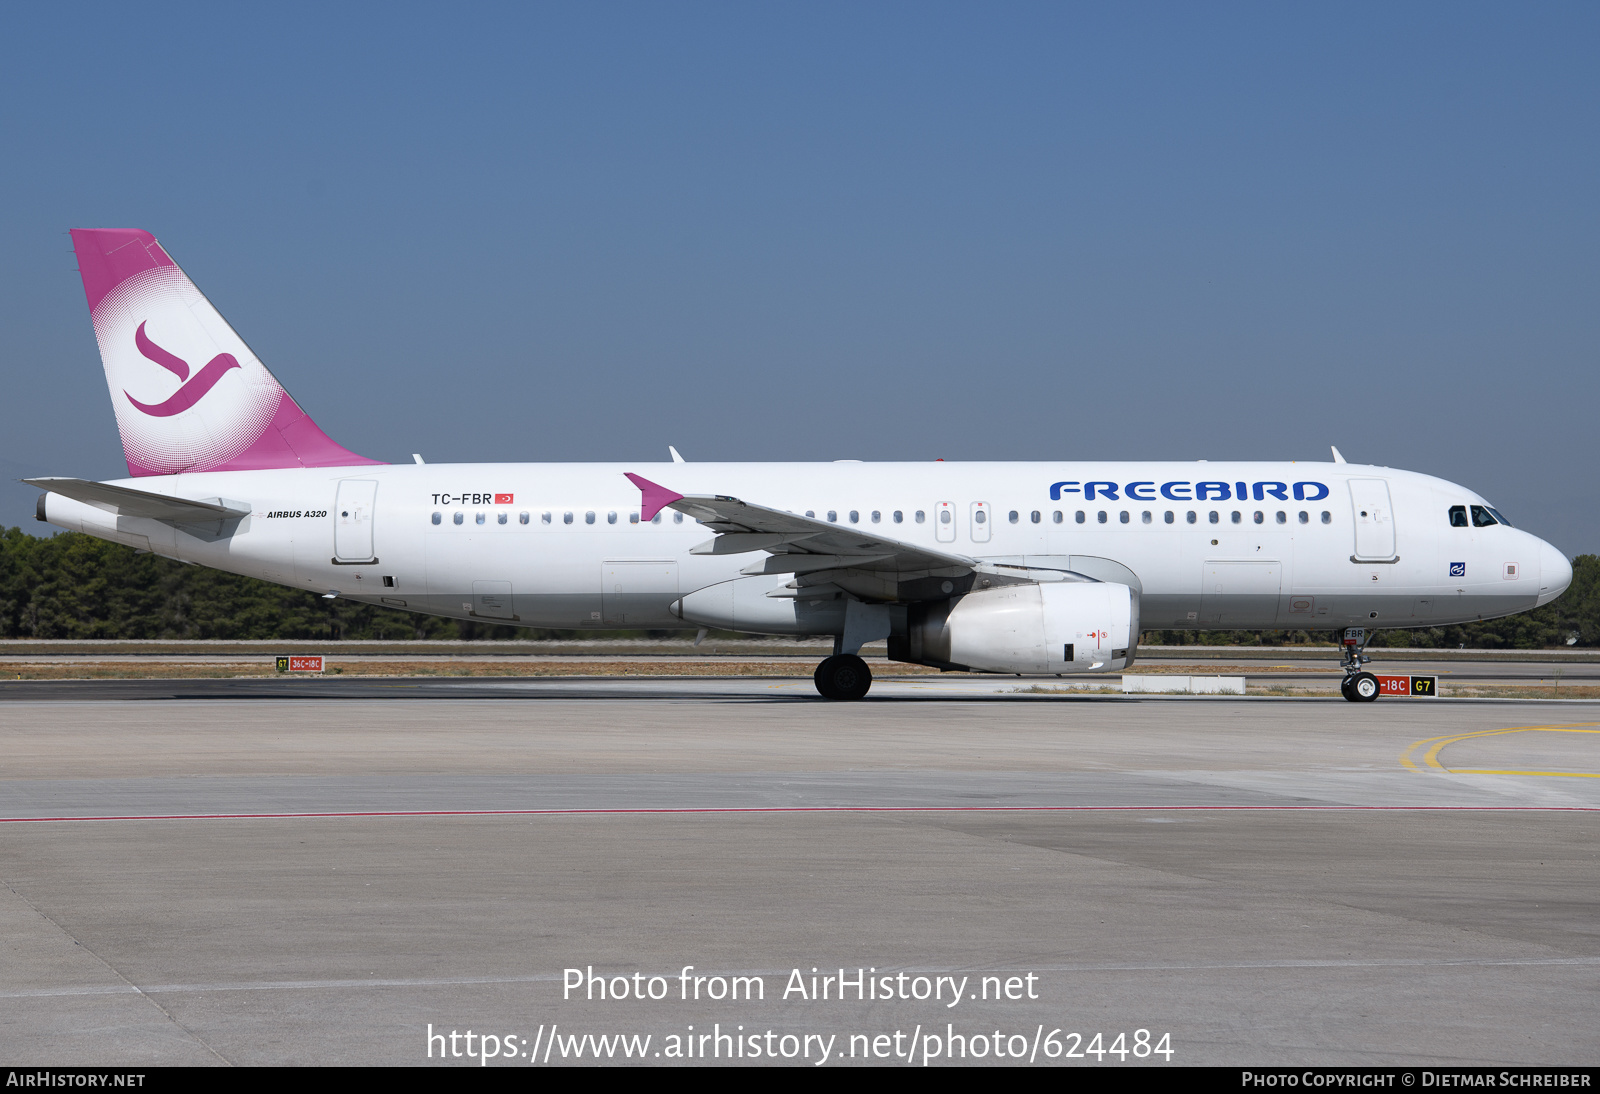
[1374,519]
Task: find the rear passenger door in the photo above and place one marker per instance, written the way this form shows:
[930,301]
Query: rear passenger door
[352,521]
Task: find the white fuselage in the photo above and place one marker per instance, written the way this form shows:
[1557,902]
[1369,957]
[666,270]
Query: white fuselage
[1325,546]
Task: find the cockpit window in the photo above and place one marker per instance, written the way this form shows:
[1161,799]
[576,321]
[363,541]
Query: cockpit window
[1458,516]
[1499,516]
[1482,517]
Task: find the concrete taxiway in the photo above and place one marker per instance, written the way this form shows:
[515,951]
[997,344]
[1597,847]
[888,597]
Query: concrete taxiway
[271,871]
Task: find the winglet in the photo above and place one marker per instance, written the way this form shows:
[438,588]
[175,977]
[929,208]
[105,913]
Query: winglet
[654,496]
[1338,457]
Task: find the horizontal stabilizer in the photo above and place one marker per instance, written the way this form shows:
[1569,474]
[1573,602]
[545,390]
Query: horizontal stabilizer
[138,503]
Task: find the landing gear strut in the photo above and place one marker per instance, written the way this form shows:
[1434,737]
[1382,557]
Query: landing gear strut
[1358,685]
[843,676]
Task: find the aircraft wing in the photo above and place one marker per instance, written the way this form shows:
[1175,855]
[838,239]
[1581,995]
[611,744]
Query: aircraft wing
[795,544]
[138,503]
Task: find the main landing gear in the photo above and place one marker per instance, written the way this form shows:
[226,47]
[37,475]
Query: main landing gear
[843,676]
[1358,685]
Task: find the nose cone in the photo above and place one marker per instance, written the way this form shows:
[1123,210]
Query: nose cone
[1555,573]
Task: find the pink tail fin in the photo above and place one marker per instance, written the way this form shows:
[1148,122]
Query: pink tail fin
[189,394]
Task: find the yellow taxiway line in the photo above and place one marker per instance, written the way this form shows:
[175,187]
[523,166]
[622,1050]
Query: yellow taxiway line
[1432,746]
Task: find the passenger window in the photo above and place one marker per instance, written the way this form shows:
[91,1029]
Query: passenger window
[1145,516]
[921,516]
[611,517]
[1078,516]
[1482,518]
[1123,517]
[544,518]
[588,518]
[1102,516]
[460,518]
[656,519]
[855,516]
[812,513]
[899,517]
[1191,516]
[677,518]
[1305,517]
[833,515]
[1458,516]
[1013,516]
[1237,517]
[1216,517]
[566,518]
[633,518]
[1169,516]
[1327,517]
[437,518]
[503,518]
[480,518]
[980,517]
[876,516]
[522,518]
[1035,516]
[1260,517]
[1056,516]
[1283,518]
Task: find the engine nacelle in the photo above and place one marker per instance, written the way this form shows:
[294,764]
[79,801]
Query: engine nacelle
[1059,627]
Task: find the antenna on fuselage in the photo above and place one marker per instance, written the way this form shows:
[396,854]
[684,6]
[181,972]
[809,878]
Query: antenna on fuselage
[1336,457]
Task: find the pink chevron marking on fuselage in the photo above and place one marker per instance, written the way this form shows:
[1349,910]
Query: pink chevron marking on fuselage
[192,391]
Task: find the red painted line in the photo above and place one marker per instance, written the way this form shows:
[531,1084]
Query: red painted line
[833,809]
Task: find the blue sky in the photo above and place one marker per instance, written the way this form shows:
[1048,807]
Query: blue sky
[871,231]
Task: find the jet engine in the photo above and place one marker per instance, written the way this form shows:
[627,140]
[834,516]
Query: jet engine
[1058,627]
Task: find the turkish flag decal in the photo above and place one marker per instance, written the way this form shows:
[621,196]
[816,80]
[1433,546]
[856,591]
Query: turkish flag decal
[502,499]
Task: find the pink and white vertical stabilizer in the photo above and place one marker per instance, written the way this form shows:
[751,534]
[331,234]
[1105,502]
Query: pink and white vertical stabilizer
[189,395]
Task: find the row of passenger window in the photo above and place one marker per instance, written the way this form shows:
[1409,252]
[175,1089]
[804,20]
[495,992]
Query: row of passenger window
[1080,517]
[1190,517]
[898,516]
[589,517]
[1015,517]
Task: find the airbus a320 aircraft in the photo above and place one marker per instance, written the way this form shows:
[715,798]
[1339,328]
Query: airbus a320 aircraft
[1027,568]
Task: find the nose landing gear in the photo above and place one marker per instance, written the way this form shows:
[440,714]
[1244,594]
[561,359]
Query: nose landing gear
[843,676]
[1358,685]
